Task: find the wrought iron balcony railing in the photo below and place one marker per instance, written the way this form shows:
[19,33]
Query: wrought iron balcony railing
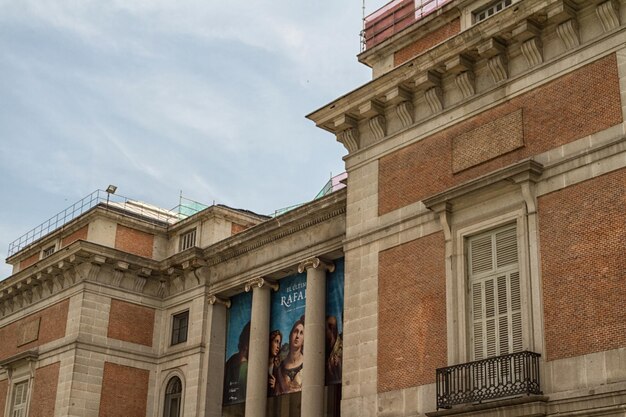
[498,377]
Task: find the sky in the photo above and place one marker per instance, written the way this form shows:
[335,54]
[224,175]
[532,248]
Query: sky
[160,97]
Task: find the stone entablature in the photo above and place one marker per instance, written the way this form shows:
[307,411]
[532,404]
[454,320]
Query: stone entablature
[482,58]
[214,266]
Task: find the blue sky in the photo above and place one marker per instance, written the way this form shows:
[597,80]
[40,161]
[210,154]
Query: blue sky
[160,96]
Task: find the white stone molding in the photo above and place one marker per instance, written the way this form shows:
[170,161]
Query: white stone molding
[404,110]
[465,82]
[214,299]
[426,80]
[315,263]
[347,132]
[434,98]
[532,50]
[260,283]
[370,108]
[568,33]
[608,12]
[378,126]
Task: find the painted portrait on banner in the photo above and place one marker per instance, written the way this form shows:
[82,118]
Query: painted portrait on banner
[287,323]
[334,323]
[287,332]
[237,347]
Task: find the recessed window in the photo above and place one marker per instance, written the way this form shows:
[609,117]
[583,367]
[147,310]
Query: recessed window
[173,396]
[187,240]
[47,252]
[18,403]
[490,10]
[180,324]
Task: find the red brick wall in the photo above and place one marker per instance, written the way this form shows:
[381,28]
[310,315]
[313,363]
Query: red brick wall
[134,241]
[131,323]
[44,391]
[412,339]
[4,386]
[583,238]
[236,228]
[124,391]
[80,234]
[31,260]
[428,41]
[51,327]
[573,106]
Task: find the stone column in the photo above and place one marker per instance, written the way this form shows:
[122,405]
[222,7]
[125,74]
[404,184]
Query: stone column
[314,336]
[216,344]
[256,387]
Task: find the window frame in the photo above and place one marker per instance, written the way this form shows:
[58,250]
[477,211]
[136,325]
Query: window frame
[483,9]
[184,242]
[45,251]
[177,316]
[458,286]
[13,383]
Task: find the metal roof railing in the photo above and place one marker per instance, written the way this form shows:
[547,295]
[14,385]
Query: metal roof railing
[185,209]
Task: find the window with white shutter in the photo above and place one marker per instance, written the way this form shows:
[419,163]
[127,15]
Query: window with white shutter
[18,405]
[494,290]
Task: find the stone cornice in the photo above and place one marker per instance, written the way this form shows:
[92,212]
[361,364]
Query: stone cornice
[488,41]
[278,228]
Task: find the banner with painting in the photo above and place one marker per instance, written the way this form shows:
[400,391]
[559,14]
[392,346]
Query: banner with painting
[237,343]
[287,332]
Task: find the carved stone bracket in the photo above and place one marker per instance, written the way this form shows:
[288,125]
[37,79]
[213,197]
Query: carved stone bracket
[403,100]
[495,52]
[141,278]
[260,283]
[95,267]
[316,263]
[568,33]
[347,132]
[434,98]
[163,290]
[608,12]
[404,111]
[214,299]
[118,273]
[465,82]
[376,114]
[463,67]
[498,68]
[532,50]
[378,126]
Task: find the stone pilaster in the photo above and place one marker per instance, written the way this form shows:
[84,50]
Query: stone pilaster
[256,388]
[216,351]
[314,336]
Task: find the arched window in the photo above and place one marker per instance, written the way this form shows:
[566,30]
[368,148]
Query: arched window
[173,394]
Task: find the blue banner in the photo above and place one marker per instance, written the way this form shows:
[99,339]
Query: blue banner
[237,346]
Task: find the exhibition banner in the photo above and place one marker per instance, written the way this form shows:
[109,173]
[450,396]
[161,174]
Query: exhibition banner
[237,344]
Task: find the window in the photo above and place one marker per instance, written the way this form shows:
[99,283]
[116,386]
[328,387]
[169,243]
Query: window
[490,10]
[47,252]
[494,289]
[18,404]
[187,240]
[180,323]
[173,394]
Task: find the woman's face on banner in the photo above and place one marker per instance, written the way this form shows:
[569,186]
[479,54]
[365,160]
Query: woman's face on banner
[297,337]
[275,345]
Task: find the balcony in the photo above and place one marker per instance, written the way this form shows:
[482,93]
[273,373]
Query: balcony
[488,379]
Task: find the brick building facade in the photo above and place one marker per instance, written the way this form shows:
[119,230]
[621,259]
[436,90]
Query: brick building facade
[482,232]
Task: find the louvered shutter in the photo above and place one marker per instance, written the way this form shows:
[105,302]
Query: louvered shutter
[19,399]
[495,293]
